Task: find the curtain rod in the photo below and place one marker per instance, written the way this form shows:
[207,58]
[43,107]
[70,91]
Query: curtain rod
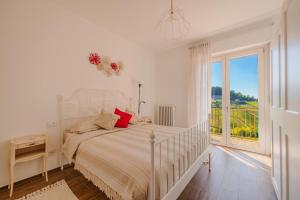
[200,44]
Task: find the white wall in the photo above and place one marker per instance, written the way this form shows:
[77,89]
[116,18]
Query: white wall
[43,52]
[172,66]
[243,38]
[172,81]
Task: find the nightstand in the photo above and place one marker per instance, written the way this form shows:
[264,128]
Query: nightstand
[146,119]
[25,149]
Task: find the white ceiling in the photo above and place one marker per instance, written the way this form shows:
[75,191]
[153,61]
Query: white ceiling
[136,20]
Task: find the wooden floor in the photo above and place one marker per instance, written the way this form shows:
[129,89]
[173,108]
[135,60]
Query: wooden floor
[235,175]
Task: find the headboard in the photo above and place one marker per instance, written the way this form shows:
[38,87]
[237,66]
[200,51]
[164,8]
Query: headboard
[85,103]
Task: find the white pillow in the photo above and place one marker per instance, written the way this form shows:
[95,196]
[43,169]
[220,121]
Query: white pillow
[107,120]
[108,107]
[84,126]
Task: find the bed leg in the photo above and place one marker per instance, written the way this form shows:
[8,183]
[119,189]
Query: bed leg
[209,162]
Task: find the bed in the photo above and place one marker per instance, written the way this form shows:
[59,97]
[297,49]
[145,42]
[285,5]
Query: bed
[143,161]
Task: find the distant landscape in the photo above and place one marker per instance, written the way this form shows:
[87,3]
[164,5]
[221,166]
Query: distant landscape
[243,114]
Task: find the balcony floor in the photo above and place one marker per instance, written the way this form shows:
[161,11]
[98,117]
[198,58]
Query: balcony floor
[250,144]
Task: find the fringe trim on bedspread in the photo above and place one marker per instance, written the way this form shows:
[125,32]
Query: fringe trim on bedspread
[109,192]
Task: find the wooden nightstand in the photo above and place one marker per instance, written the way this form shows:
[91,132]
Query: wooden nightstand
[25,149]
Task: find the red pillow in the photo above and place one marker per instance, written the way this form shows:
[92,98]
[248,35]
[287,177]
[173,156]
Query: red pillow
[124,118]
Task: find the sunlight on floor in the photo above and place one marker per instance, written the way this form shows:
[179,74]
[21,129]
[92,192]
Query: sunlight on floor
[266,160]
[250,159]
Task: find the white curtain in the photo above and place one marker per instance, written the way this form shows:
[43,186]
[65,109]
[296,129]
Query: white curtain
[198,85]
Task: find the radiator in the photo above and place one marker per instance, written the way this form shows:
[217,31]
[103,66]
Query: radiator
[166,115]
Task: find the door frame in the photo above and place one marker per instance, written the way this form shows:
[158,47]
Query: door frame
[221,59]
[263,91]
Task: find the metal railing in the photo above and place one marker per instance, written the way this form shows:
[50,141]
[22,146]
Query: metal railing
[243,121]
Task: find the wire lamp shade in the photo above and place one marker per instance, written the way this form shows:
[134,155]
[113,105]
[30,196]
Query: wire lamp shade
[173,24]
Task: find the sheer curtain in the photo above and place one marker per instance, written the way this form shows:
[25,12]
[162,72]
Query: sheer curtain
[198,85]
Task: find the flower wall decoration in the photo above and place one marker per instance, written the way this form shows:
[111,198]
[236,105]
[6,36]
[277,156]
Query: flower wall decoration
[94,58]
[104,63]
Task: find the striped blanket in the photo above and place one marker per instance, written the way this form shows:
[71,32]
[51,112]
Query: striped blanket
[118,161]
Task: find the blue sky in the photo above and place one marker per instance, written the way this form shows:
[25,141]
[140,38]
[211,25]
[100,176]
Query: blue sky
[243,75]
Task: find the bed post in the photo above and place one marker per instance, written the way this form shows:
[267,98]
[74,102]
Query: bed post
[152,167]
[60,131]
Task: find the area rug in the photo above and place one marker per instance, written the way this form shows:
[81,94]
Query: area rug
[57,191]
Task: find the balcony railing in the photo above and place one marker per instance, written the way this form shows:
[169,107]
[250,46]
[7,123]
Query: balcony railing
[243,121]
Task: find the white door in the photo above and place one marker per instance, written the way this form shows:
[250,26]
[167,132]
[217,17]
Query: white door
[285,100]
[238,100]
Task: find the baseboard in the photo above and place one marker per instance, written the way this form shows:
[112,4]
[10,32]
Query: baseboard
[39,174]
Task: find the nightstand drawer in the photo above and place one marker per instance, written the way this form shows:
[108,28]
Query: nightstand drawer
[29,144]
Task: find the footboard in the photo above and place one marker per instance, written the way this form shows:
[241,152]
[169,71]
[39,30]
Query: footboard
[186,150]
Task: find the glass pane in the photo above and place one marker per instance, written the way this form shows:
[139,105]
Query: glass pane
[216,104]
[244,100]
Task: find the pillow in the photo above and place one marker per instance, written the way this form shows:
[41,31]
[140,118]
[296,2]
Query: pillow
[124,118]
[134,118]
[108,107]
[84,126]
[107,120]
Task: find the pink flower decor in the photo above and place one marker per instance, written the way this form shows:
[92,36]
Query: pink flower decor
[114,66]
[104,63]
[94,59]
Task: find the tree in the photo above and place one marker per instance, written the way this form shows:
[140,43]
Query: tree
[236,97]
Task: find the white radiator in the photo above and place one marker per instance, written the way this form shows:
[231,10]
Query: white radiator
[166,115]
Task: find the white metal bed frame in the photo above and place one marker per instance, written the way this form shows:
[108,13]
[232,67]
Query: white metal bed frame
[193,156]
[194,152]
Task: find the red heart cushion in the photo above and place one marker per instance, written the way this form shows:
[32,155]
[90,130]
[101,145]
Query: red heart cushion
[124,118]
